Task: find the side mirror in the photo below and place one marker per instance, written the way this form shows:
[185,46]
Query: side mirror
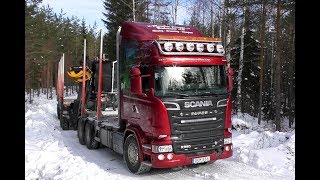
[230,80]
[135,81]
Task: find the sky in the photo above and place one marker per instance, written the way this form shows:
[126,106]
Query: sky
[259,152]
[91,10]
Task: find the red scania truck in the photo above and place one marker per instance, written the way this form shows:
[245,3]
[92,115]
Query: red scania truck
[173,93]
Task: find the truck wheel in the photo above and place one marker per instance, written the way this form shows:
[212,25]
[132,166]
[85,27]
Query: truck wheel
[74,116]
[64,123]
[80,131]
[58,111]
[132,158]
[89,137]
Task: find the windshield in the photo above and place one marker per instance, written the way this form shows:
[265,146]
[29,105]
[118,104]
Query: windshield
[190,81]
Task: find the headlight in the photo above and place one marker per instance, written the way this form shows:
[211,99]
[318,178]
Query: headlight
[190,47]
[228,140]
[168,46]
[179,46]
[161,149]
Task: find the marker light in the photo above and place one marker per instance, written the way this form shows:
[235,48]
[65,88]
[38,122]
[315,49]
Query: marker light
[161,157]
[170,156]
[190,46]
[200,47]
[168,46]
[179,46]
[210,47]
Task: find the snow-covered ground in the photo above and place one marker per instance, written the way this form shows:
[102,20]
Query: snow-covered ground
[51,153]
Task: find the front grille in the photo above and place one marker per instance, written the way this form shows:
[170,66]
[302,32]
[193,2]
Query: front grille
[197,134]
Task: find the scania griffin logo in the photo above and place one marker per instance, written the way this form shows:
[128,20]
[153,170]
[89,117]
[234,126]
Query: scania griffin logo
[197,104]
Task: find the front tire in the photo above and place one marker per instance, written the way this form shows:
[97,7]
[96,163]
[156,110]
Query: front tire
[80,131]
[132,156]
[89,136]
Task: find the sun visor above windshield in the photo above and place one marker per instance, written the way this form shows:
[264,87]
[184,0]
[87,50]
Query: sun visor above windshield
[141,31]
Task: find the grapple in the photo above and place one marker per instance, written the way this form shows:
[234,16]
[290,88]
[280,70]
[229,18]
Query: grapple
[76,73]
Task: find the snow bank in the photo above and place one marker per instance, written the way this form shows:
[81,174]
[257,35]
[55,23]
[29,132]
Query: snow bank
[268,150]
[47,155]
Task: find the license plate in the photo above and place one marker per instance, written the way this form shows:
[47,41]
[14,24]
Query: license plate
[201,160]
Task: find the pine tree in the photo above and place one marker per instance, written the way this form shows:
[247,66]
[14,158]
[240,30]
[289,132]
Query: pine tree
[116,13]
[250,73]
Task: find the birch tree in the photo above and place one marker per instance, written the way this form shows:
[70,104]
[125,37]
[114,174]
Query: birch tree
[239,78]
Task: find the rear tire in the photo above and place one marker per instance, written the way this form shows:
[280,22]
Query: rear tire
[75,115]
[58,111]
[89,136]
[80,131]
[64,123]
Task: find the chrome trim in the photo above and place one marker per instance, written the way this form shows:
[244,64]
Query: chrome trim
[118,68]
[222,105]
[172,103]
[146,146]
[198,120]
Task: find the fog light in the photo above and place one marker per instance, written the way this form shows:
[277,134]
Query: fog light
[227,148]
[161,157]
[170,156]
[231,147]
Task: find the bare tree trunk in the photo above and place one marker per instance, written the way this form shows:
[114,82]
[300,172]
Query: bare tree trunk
[262,40]
[220,18]
[239,78]
[278,69]
[212,18]
[133,10]
[228,39]
[38,90]
[48,81]
[291,75]
[30,101]
[174,11]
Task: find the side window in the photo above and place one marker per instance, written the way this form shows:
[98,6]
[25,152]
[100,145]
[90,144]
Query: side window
[128,57]
[145,75]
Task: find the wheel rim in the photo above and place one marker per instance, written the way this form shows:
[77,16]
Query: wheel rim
[133,154]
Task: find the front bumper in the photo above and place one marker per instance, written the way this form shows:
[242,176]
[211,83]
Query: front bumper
[182,159]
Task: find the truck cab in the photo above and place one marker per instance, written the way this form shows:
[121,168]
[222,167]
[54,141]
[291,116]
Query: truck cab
[173,99]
